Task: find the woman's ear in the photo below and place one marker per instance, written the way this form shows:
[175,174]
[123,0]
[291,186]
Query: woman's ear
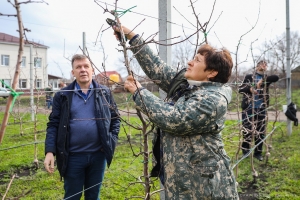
[212,74]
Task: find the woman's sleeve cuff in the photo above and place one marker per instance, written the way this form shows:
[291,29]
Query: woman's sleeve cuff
[136,92]
[134,37]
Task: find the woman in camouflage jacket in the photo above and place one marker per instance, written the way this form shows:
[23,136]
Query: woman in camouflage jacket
[195,164]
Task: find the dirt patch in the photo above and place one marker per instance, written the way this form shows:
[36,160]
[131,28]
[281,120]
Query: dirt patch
[249,191]
[25,171]
[252,190]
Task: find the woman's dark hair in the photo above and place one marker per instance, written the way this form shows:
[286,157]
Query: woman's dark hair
[217,60]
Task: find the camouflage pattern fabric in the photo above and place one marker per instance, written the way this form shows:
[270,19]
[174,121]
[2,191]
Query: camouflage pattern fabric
[196,165]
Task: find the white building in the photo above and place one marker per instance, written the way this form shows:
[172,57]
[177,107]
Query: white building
[9,47]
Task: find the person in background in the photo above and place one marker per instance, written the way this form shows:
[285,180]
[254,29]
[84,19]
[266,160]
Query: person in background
[48,100]
[82,132]
[193,162]
[49,96]
[62,85]
[255,90]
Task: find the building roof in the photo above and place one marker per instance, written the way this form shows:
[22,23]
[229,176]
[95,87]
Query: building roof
[54,77]
[5,38]
[297,69]
[108,74]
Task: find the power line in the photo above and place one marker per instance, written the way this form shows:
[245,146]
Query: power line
[37,24]
[147,15]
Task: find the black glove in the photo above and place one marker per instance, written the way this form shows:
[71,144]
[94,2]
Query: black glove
[291,113]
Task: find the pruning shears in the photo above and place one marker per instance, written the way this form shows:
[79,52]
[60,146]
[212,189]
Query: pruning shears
[112,22]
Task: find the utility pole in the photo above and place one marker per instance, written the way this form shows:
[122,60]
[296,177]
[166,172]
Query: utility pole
[288,65]
[83,42]
[164,16]
[165,30]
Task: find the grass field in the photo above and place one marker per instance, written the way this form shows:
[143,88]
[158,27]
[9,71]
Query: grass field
[277,179]
[17,157]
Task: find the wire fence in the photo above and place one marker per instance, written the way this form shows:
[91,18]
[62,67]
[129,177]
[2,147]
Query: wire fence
[28,136]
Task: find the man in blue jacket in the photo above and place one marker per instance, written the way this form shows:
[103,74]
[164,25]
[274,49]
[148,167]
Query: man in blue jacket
[255,90]
[82,132]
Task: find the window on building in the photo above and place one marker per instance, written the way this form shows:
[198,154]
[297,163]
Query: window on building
[7,82]
[37,62]
[22,83]
[53,83]
[38,83]
[5,60]
[23,64]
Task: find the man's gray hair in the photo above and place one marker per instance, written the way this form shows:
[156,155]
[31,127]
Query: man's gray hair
[78,57]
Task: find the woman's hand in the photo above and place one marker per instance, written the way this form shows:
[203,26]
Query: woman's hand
[128,33]
[131,85]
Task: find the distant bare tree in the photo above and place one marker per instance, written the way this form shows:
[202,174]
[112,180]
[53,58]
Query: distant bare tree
[276,53]
[182,53]
[16,4]
[135,67]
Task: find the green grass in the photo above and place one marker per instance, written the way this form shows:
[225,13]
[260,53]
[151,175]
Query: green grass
[277,179]
[283,171]
[17,157]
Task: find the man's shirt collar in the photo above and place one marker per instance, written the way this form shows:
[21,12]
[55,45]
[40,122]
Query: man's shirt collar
[79,91]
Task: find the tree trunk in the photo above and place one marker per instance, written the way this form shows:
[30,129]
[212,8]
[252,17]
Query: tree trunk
[17,71]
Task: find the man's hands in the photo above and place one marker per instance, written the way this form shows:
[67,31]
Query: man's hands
[49,162]
[253,90]
[131,85]
[258,87]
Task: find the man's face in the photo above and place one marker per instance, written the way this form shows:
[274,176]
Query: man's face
[262,67]
[82,71]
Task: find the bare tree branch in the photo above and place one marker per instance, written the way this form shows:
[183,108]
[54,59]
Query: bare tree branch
[8,15]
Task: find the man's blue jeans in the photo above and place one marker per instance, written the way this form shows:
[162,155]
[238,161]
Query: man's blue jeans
[84,171]
[259,119]
[48,104]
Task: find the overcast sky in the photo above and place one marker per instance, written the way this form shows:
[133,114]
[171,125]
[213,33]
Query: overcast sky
[60,25]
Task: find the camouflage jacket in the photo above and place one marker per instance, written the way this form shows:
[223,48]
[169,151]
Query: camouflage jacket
[195,163]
